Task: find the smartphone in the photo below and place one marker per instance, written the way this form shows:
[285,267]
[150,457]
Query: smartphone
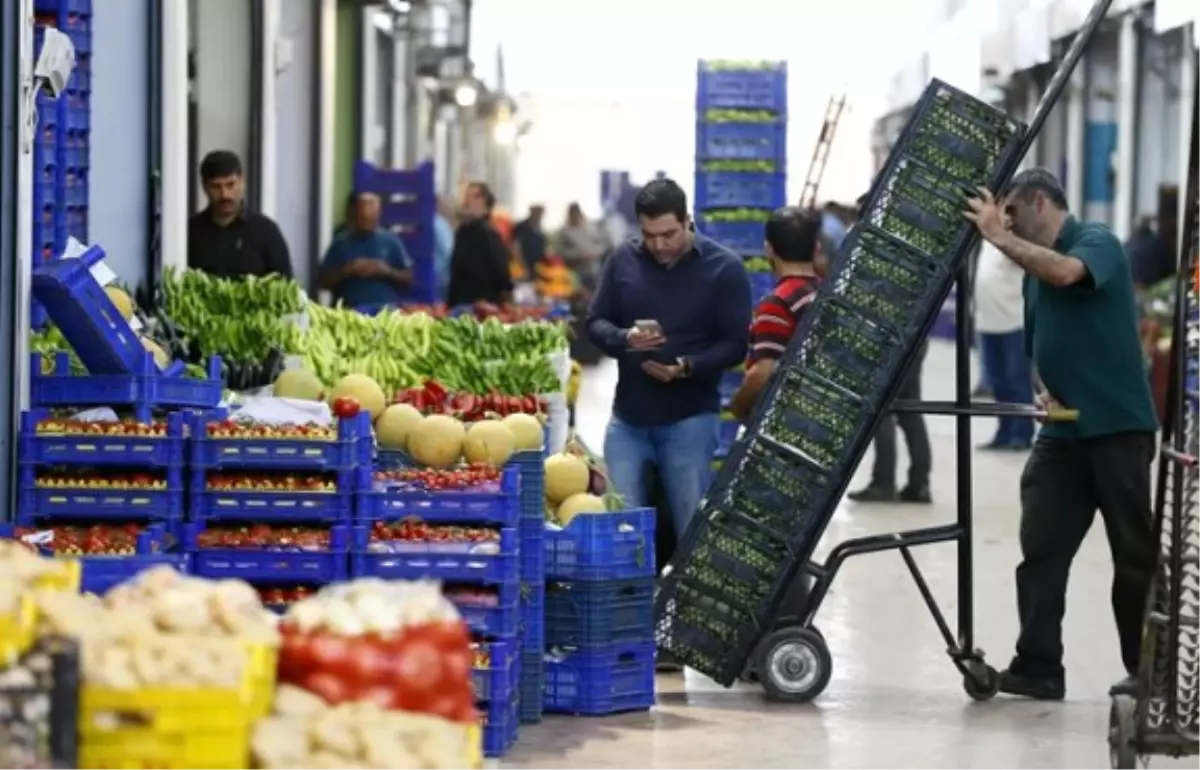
[648,327]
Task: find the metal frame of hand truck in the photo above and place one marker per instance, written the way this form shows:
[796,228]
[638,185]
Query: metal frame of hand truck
[1132,733]
[811,670]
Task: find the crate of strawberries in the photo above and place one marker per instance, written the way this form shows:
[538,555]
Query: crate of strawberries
[108,553]
[411,549]
[53,439]
[95,492]
[233,442]
[274,496]
[479,493]
[261,552]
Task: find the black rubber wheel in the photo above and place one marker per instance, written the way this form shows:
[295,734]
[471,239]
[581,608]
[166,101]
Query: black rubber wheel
[1122,717]
[750,675]
[981,682]
[793,665]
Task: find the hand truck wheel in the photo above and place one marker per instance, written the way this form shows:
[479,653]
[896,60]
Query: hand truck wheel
[750,674]
[1122,716]
[793,665]
[981,682]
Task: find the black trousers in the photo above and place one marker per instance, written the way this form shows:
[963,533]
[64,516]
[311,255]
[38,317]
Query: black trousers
[1064,482]
[916,437]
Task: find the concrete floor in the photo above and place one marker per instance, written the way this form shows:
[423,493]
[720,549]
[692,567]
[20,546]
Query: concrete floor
[895,699]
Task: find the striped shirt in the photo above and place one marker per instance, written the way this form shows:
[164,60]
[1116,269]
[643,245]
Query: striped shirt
[778,314]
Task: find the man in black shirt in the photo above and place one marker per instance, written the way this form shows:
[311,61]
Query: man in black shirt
[226,239]
[531,239]
[479,263]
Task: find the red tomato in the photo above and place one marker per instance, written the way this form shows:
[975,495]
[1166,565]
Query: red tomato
[330,653]
[382,696]
[295,655]
[418,665]
[457,664]
[370,663]
[466,713]
[346,407]
[328,687]
[445,706]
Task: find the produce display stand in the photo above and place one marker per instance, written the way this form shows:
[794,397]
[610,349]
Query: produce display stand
[1160,717]
[720,603]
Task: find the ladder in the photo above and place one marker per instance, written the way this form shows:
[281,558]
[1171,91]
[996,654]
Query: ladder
[816,167]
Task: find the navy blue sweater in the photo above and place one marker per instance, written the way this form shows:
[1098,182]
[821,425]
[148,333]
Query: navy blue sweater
[702,302]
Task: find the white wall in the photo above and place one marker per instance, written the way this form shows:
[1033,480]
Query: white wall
[120,176]
[296,95]
[221,33]
[1158,160]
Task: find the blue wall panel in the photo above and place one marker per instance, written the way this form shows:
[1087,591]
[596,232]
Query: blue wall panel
[1100,141]
[120,178]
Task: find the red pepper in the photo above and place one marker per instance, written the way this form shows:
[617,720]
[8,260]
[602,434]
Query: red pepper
[419,401]
[465,402]
[529,405]
[435,392]
[404,397]
[543,406]
[514,404]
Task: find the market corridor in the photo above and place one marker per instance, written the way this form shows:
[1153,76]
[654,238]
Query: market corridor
[895,699]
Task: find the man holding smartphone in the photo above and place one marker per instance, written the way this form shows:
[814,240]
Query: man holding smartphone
[673,309]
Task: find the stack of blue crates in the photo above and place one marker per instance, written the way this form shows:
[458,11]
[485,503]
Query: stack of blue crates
[482,579]
[409,206]
[532,469]
[741,168]
[253,483]
[61,151]
[599,620]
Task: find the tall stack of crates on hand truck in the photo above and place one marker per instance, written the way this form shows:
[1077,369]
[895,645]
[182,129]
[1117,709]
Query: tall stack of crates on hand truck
[102,453]
[61,149]
[741,170]
[600,651]
[461,528]
[408,200]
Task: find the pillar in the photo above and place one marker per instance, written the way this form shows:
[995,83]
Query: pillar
[1187,92]
[173,101]
[327,60]
[1074,141]
[268,152]
[1100,130]
[1125,171]
[1033,94]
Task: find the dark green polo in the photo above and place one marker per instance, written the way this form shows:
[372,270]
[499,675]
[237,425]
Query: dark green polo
[1083,339]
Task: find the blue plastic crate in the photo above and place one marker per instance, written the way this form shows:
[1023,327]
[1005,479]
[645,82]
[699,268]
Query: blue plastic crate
[260,565]
[532,687]
[445,506]
[730,382]
[761,284]
[740,189]
[532,467]
[85,502]
[742,141]
[142,392]
[270,506]
[500,726]
[533,551]
[612,546]
[583,614]
[487,563]
[396,185]
[352,448]
[494,679]
[87,318]
[727,437]
[743,238]
[601,680]
[501,620]
[533,645]
[762,89]
[102,447]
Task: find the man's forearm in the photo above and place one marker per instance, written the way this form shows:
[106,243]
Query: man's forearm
[1047,265]
[398,276]
[748,393]
[607,336]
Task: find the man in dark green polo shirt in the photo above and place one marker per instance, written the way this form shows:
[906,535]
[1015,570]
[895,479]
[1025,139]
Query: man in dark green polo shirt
[1081,331]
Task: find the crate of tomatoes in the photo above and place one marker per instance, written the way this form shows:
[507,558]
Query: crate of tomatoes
[231,442]
[268,552]
[86,492]
[273,495]
[474,494]
[53,439]
[412,549]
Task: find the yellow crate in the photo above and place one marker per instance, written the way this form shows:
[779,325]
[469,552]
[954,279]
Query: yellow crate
[68,577]
[131,747]
[475,742]
[264,663]
[17,631]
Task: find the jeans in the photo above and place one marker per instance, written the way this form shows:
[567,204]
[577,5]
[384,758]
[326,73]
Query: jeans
[916,437]
[1011,377]
[682,452]
[1064,482]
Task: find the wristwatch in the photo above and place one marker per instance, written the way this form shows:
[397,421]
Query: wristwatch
[685,366]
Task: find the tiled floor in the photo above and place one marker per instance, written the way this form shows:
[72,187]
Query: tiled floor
[895,699]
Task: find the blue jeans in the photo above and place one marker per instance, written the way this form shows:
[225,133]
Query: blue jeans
[682,451]
[1011,377]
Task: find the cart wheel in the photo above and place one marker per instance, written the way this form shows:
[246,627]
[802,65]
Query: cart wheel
[750,674]
[1122,753]
[794,665]
[981,682]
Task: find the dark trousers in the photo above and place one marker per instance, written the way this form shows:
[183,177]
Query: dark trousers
[1010,376]
[1064,482]
[916,437]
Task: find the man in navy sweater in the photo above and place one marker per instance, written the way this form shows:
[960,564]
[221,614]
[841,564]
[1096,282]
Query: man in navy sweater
[674,309]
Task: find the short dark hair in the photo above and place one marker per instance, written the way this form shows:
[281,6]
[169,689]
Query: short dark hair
[1031,181]
[485,192]
[220,163]
[659,198]
[793,233]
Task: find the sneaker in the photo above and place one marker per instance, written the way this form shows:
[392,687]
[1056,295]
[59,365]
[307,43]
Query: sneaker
[911,494]
[1127,686]
[1006,446]
[873,494]
[1038,688]
[983,393]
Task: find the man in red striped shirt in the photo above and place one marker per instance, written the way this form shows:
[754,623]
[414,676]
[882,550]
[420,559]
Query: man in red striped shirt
[793,246]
